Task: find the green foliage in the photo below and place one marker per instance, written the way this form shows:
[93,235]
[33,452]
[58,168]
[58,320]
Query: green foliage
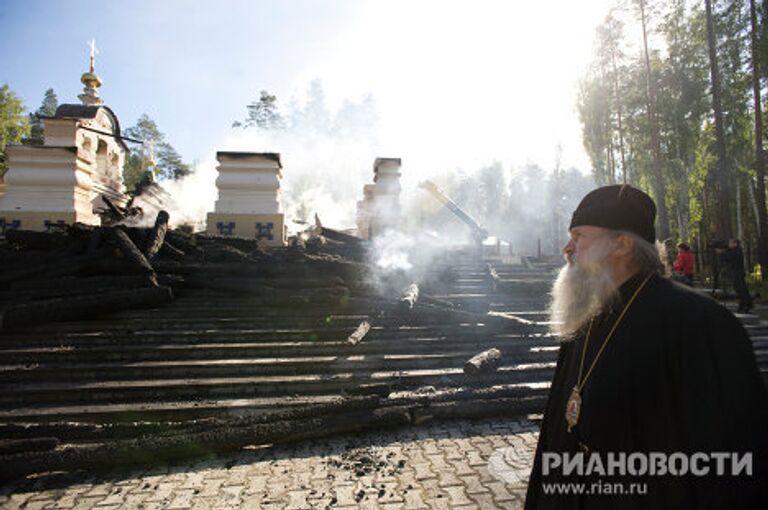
[615,84]
[262,114]
[354,120]
[169,164]
[47,109]
[14,124]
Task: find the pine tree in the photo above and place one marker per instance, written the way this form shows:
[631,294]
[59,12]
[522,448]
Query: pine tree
[262,114]
[47,109]
[169,162]
[14,124]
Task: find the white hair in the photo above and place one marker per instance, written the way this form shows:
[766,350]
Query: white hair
[648,257]
[586,285]
[582,288]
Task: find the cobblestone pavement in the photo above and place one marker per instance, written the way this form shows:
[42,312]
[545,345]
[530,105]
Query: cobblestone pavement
[458,465]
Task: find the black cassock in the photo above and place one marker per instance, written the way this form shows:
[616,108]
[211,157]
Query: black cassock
[678,375]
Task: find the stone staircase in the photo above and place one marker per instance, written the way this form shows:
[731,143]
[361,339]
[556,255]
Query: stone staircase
[210,353]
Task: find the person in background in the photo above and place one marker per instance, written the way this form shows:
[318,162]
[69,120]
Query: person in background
[734,260]
[683,265]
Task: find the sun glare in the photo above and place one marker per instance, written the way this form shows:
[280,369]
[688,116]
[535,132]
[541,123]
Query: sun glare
[461,84]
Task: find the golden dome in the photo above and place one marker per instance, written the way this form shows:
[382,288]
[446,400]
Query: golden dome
[90,80]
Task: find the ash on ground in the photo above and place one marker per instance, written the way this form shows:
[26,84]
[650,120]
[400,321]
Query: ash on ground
[368,460]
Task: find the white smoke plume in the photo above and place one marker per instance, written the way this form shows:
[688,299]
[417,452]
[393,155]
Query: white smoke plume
[326,158]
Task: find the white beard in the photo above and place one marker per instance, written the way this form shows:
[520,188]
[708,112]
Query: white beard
[582,289]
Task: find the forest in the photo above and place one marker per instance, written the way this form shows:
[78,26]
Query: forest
[672,103]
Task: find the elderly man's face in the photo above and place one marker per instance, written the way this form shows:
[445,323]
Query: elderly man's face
[582,238]
[586,283]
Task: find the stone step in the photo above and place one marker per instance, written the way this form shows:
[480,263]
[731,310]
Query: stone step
[179,410]
[176,351]
[109,391]
[219,335]
[174,369]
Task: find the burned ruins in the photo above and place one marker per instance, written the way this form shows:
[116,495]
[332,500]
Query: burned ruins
[129,337]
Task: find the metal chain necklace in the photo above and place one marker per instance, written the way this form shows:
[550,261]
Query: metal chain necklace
[573,407]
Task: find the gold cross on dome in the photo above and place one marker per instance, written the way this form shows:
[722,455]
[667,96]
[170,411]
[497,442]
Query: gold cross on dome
[94,52]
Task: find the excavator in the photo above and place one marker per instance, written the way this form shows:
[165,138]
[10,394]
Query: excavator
[479,233]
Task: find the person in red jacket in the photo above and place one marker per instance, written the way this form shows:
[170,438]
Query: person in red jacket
[683,265]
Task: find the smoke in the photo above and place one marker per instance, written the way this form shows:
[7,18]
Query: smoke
[326,158]
[193,196]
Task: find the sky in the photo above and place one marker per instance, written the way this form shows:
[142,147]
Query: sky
[457,84]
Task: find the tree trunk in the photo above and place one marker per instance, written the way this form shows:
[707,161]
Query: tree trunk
[723,209]
[611,163]
[739,224]
[685,212]
[658,176]
[762,216]
[619,120]
[753,203]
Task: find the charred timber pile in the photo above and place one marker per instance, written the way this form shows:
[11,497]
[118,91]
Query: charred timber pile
[256,347]
[78,273]
[158,445]
[81,272]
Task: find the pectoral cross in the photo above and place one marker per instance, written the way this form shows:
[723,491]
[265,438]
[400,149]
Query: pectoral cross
[573,408]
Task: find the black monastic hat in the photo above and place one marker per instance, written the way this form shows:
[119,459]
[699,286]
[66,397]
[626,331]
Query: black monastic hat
[618,207]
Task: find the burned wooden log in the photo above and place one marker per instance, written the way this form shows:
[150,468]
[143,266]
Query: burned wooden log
[71,308]
[380,390]
[170,251]
[340,236]
[464,392]
[32,240]
[67,431]
[332,265]
[171,280]
[224,253]
[511,317]
[52,268]
[357,336]
[184,242]
[244,244]
[250,286]
[483,363]
[13,275]
[298,243]
[135,259]
[409,298]
[32,444]
[315,281]
[85,284]
[115,213]
[169,448]
[156,235]
[94,241]
[77,286]
[474,409]
[316,243]
[438,302]
[492,278]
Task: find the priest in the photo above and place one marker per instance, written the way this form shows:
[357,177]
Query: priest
[656,400]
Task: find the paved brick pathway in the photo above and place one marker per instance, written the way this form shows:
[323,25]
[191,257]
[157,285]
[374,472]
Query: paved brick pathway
[457,465]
